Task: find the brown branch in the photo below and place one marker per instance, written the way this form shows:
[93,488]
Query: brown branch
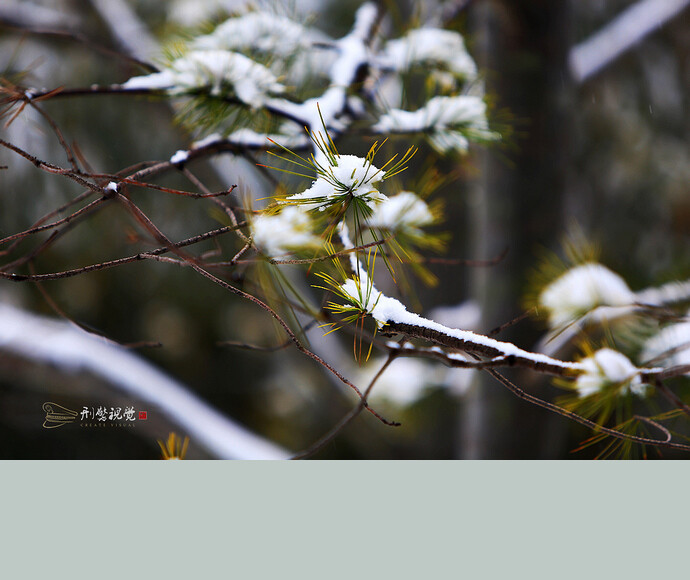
[305,260]
[671,396]
[136,183]
[56,130]
[659,426]
[510,323]
[465,262]
[347,419]
[546,365]
[454,360]
[140,217]
[661,374]
[86,328]
[113,263]
[224,206]
[62,92]
[258,348]
[118,89]
[517,391]
[66,220]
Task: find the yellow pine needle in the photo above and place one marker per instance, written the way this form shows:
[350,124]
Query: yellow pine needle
[174,447]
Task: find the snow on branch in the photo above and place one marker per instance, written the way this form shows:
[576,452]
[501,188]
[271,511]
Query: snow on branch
[449,121]
[353,54]
[126,27]
[221,72]
[430,47]
[248,84]
[582,289]
[627,29]
[73,350]
[392,317]
[31,15]
[590,294]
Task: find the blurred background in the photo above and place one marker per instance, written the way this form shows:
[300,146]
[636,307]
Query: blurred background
[598,153]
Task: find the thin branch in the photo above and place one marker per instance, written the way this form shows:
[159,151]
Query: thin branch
[112,263]
[347,419]
[89,329]
[671,396]
[517,391]
[466,262]
[225,207]
[150,226]
[52,225]
[344,252]
[510,323]
[485,346]
[259,348]
[146,185]
[56,130]
[659,426]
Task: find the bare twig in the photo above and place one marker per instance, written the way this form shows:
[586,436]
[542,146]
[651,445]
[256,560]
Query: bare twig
[347,419]
[671,396]
[113,263]
[517,391]
[150,226]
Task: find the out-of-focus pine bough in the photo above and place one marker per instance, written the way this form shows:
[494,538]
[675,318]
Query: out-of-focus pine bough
[262,82]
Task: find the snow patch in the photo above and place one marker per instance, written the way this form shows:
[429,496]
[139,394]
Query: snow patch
[260,31]
[402,212]
[608,368]
[278,234]
[667,294]
[447,119]
[430,47]
[220,72]
[671,345]
[352,175]
[580,290]
[179,157]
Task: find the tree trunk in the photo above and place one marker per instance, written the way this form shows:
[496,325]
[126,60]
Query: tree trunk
[516,203]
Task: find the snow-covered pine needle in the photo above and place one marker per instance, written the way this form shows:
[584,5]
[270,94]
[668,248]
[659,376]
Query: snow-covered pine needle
[280,233]
[430,48]
[220,73]
[449,122]
[580,290]
[608,369]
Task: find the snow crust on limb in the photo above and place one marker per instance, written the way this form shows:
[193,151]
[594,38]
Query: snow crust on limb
[386,310]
